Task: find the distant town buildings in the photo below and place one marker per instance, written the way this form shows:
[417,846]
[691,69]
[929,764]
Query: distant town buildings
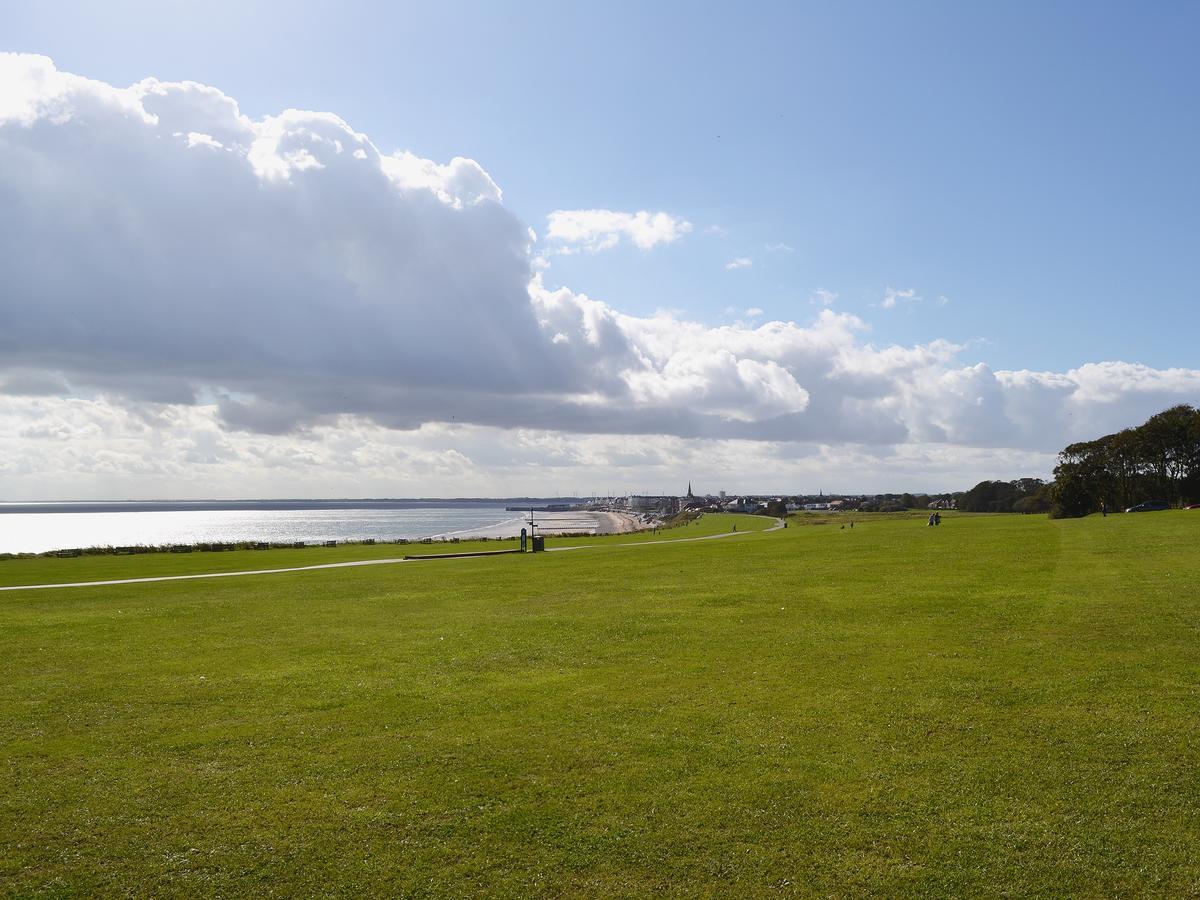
[664,505]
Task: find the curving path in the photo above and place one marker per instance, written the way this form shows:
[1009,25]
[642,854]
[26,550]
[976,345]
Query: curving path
[364,562]
[707,537]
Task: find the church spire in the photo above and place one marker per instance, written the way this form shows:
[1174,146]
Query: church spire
[689,490]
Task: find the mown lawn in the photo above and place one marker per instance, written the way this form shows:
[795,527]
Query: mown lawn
[1003,704]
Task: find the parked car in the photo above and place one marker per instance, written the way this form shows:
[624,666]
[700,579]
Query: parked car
[1150,506]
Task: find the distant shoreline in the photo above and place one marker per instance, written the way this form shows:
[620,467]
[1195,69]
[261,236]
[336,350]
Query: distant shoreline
[86,506]
[554,523]
[126,525]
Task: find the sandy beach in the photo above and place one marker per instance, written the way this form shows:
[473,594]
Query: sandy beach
[556,523]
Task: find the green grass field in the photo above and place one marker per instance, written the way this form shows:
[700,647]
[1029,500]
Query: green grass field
[1002,705]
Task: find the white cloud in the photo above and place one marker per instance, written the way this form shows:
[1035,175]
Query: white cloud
[192,296]
[823,297]
[98,450]
[780,248]
[752,312]
[297,273]
[891,297]
[602,229]
[462,180]
[289,279]
[742,262]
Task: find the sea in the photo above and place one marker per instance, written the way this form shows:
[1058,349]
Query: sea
[42,527]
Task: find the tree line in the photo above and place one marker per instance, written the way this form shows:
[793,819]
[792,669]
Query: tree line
[1024,495]
[1158,460]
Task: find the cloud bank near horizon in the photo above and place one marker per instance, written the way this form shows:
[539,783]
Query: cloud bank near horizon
[160,249]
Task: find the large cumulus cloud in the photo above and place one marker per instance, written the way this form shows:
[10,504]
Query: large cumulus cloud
[159,247]
[156,240]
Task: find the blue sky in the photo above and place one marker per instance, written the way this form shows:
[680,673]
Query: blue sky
[1032,163]
[1019,179]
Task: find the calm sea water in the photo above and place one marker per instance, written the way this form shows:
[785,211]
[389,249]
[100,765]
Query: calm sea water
[114,525]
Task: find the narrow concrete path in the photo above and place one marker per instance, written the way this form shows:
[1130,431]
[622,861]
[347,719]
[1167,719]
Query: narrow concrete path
[70,584]
[363,562]
[705,537]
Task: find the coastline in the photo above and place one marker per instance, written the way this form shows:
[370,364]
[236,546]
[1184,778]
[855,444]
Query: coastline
[554,523]
[41,532]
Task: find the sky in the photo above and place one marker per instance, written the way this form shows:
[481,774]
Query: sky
[367,249]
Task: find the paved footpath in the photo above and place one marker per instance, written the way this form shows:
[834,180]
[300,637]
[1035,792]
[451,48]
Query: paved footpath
[364,562]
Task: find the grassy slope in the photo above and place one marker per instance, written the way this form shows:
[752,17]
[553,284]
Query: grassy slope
[1003,704]
[51,570]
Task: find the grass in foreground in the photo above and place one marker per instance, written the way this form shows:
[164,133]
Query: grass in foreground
[1004,704]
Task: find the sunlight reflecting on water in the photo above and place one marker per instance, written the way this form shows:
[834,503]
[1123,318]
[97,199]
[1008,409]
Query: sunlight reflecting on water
[39,532]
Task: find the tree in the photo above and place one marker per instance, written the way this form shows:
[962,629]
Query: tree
[1078,480]
[1158,460]
[998,496]
[1036,502]
[776,508]
[1171,439]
